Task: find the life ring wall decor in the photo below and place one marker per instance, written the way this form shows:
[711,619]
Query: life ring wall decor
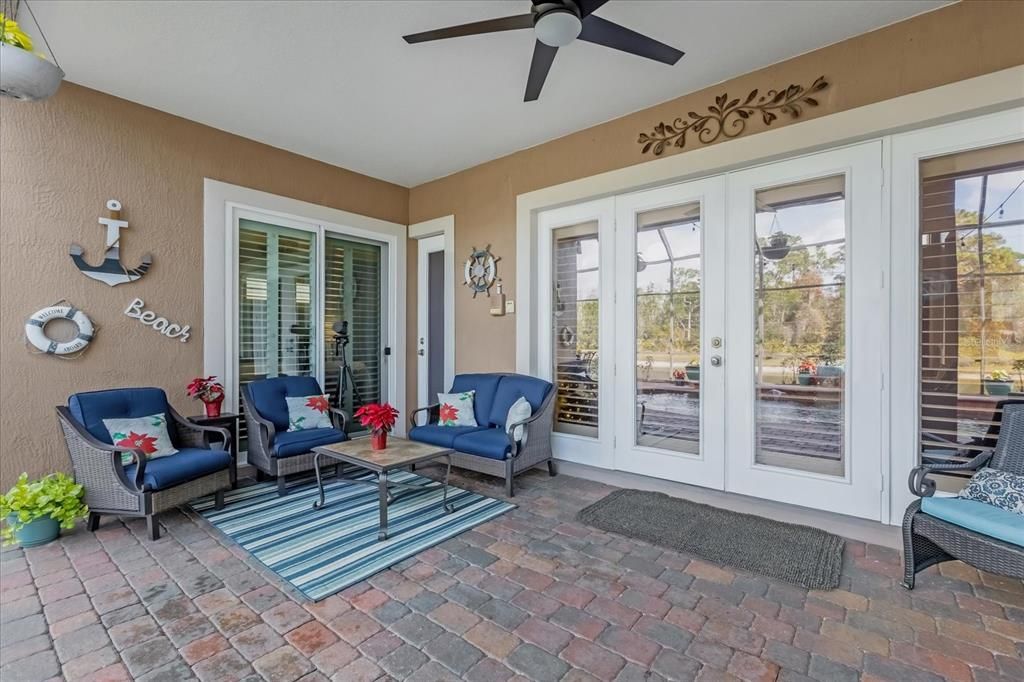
[35,330]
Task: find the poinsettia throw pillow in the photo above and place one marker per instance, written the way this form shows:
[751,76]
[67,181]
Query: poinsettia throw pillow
[456,409]
[148,434]
[309,412]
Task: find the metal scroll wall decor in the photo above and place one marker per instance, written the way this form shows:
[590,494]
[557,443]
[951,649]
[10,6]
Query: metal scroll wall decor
[111,271]
[728,117]
[480,270]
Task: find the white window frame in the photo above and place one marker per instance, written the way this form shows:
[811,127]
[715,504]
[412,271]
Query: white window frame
[223,205]
[908,150]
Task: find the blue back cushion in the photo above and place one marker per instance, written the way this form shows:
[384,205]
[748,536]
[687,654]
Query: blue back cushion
[513,387]
[91,408]
[485,386]
[267,396]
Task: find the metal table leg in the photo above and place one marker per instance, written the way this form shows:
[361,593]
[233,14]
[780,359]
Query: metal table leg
[382,491]
[319,481]
[449,508]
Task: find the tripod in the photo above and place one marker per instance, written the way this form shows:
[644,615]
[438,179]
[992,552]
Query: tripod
[345,376]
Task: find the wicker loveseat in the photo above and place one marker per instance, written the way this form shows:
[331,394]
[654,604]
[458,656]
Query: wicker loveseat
[489,447]
[946,529]
[145,487]
[273,449]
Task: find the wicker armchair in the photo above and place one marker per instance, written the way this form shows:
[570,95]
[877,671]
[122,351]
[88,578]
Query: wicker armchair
[928,540]
[144,487]
[536,432]
[273,450]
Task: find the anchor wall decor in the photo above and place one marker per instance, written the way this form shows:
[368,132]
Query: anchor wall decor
[111,271]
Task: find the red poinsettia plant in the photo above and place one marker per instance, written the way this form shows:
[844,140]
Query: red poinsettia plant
[207,389]
[377,417]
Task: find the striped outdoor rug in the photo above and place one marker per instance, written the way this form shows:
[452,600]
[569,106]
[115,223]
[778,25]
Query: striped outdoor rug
[323,551]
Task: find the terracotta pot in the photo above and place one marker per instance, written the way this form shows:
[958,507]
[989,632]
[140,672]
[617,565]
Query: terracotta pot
[379,440]
[213,407]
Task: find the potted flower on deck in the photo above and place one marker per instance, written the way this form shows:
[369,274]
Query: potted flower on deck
[35,512]
[693,370]
[998,383]
[805,372]
[380,419]
[210,392]
[679,377]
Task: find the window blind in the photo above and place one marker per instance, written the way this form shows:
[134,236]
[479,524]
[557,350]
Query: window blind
[352,294]
[972,298]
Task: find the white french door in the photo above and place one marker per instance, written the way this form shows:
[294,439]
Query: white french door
[670,249]
[739,323]
[804,337]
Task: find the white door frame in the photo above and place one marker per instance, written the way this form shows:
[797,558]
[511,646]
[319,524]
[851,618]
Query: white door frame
[223,204]
[707,467]
[908,150]
[573,447]
[858,492]
[431,236]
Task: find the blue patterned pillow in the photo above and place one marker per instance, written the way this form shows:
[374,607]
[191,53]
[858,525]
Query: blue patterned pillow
[998,488]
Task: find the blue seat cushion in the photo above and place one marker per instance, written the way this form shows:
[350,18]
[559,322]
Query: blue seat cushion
[513,387]
[187,465]
[267,396]
[485,386]
[441,436]
[491,443]
[291,443]
[91,408]
[977,516]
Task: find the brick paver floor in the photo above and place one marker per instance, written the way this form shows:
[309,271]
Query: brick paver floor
[530,595]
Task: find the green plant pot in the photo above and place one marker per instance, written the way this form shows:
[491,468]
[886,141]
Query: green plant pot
[998,387]
[804,379]
[36,532]
[693,373]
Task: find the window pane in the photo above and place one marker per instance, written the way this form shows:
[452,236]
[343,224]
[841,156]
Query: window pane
[800,270]
[352,297]
[668,270]
[576,298]
[972,297]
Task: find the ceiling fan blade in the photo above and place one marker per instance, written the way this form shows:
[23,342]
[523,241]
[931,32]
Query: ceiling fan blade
[602,32]
[588,7]
[477,27]
[543,55]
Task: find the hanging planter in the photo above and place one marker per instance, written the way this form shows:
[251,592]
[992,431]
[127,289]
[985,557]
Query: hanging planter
[24,74]
[778,246]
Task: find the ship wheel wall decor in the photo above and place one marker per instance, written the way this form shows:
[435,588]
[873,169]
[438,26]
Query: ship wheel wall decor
[480,270]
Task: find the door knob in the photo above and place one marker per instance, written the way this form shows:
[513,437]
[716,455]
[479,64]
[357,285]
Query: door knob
[420,352]
[716,360]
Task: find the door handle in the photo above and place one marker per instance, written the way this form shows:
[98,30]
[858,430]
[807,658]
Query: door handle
[420,352]
[716,360]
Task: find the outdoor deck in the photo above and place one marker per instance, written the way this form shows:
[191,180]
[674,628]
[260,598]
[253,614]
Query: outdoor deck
[530,595]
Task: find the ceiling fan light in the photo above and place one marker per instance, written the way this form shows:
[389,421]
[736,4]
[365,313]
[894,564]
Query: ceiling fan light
[558,27]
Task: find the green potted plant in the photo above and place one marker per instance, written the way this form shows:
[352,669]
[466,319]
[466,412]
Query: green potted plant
[34,512]
[805,372]
[693,370]
[24,73]
[998,383]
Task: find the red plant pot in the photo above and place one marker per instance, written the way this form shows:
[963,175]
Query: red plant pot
[213,407]
[379,440]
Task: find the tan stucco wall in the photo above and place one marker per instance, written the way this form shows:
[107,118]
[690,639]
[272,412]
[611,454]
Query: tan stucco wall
[60,161]
[948,45]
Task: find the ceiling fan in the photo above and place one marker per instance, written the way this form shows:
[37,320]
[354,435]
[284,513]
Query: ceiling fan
[556,23]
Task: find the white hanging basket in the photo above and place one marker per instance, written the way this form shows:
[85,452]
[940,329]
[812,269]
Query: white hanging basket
[26,76]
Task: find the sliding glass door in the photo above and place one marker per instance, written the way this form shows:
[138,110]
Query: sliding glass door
[310,302]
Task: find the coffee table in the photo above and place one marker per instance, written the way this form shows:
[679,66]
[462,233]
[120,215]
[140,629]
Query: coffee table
[399,454]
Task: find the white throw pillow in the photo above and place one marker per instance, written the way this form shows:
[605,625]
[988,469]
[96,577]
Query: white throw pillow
[308,412]
[456,409]
[148,434]
[519,411]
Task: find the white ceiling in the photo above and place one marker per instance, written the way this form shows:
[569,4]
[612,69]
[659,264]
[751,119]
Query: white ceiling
[336,82]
